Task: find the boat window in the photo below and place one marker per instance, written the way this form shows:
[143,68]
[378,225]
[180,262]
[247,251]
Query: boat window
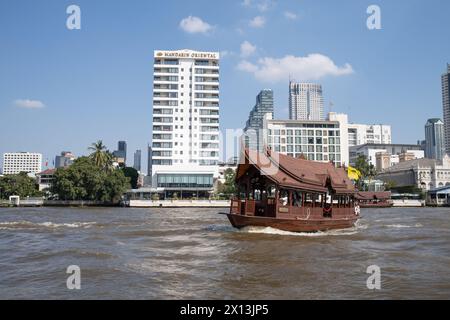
[284,198]
[318,200]
[271,192]
[308,200]
[297,199]
[257,195]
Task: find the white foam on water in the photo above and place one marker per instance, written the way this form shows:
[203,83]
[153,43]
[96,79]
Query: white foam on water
[30,225]
[401,226]
[338,232]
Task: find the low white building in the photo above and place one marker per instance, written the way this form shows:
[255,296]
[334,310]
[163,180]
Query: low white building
[394,151]
[224,167]
[426,174]
[45,179]
[359,134]
[17,162]
[316,140]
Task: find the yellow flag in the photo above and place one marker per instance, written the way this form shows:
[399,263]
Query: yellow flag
[353,174]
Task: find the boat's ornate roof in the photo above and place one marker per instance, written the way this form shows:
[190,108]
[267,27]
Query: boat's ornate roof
[381,195]
[296,173]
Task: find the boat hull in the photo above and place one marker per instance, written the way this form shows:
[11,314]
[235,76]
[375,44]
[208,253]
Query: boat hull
[292,225]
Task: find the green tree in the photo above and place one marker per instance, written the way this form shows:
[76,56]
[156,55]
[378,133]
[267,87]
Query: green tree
[228,188]
[85,180]
[18,185]
[367,169]
[133,174]
[101,156]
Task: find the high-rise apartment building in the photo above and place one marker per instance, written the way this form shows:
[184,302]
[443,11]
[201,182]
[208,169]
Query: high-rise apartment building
[254,125]
[17,162]
[446,107]
[434,139]
[185,139]
[306,101]
[149,160]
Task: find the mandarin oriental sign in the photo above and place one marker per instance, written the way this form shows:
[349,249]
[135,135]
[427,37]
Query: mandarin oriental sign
[188,54]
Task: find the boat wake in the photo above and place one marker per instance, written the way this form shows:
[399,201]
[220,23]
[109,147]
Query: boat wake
[32,225]
[402,226]
[339,232]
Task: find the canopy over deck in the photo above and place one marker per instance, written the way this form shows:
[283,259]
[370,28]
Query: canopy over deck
[295,173]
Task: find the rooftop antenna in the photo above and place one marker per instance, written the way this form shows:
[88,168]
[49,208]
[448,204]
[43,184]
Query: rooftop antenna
[331,106]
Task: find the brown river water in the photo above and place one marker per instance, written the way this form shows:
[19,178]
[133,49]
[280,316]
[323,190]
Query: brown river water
[195,254]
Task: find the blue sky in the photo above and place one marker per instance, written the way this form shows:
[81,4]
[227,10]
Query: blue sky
[62,89]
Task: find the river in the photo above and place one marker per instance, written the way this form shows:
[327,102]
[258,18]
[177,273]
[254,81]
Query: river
[195,254]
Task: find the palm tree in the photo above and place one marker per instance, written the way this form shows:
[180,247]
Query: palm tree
[109,163]
[99,154]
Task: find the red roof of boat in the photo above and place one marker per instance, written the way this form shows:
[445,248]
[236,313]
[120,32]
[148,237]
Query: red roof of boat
[383,195]
[296,173]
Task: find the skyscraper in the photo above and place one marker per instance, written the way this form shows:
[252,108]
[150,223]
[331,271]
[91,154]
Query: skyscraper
[121,153]
[137,160]
[185,121]
[149,161]
[254,125]
[306,101]
[434,139]
[446,107]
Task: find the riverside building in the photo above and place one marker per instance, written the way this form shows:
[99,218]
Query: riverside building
[446,107]
[359,134]
[185,140]
[318,140]
[17,162]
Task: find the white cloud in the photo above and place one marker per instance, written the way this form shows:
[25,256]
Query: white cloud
[247,67]
[226,53]
[290,15]
[29,104]
[312,67]
[247,49]
[195,25]
[257,22]
[261,5]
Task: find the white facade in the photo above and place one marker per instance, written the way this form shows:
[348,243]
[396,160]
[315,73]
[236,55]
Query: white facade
[427,174]
[371,150]
[322,141]
[185,144]
[306,101]
[17,162]
[446,107]
[359,134]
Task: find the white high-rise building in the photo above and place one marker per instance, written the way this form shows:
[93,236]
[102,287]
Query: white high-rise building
[17,162]
[359,134]
[446,107]
[185,145]
[306,101]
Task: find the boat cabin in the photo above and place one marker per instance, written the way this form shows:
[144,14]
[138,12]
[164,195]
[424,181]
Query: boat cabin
[278,186]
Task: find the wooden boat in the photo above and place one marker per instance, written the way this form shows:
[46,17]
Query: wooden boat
[374,199]
[292,194]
